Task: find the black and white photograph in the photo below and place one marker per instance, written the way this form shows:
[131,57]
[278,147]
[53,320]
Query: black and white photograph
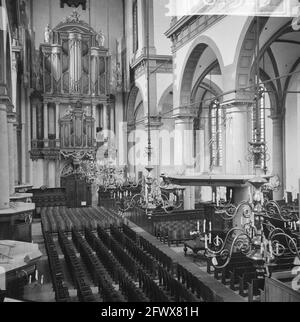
[150,154]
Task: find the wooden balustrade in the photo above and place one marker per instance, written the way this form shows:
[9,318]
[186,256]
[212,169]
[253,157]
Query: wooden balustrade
[48,197]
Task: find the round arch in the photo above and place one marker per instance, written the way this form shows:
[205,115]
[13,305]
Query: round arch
[246,53]
[130,110]
[164,97]
[197,49]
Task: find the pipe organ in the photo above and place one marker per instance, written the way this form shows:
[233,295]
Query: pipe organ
[70,78]
[74,62]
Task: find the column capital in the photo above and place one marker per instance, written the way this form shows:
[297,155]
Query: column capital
[279,117]
[237,103]
[185,112]
[11,115]
[130,127]
[155,122]
[11,118]
[5,100]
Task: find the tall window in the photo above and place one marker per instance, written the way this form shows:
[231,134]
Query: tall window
[135,26]
[259,124]
[216,143]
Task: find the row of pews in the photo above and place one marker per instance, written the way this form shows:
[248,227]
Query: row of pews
[108,261]
[175,228]
[242,275]
[66,219]
[58,279]
[84,291]
[121,265]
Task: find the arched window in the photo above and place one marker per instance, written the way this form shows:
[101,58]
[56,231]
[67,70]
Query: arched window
[216,134]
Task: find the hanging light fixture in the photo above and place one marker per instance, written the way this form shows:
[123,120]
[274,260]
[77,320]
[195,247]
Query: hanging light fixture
[151,196]
[258,146]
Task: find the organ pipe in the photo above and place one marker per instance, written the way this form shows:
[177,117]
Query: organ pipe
[75,62]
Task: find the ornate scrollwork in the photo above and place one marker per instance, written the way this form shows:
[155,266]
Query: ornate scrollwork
[237,240]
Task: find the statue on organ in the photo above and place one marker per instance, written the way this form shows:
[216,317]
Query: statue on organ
[101,38]
[47,34]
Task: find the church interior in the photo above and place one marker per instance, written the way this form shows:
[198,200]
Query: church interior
[149,155]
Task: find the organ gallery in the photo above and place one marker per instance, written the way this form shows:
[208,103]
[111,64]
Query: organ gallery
[149,153]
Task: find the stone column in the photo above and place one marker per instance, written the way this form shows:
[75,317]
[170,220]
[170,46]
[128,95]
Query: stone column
[112,118]
[105,117]
[130,149]
[34,122]
[94,70]
[57,128]
[155,126]
[11,120]
[122,144]
[278,153]
[206,148]
[16,165]
[96,124]
[184,154]
[14,77]
[46,132]
[4,162]
[206,192]
[237,138]
[57,173]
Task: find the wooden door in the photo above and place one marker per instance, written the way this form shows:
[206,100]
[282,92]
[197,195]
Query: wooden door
[78,192]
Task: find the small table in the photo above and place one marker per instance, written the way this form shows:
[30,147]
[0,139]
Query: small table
[196,245]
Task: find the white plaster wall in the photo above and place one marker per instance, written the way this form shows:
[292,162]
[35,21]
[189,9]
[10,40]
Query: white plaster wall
[163,83]
[292,137]
[38,170]
[161,25]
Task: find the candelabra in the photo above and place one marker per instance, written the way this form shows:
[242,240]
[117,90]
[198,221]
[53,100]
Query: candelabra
[266,231]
